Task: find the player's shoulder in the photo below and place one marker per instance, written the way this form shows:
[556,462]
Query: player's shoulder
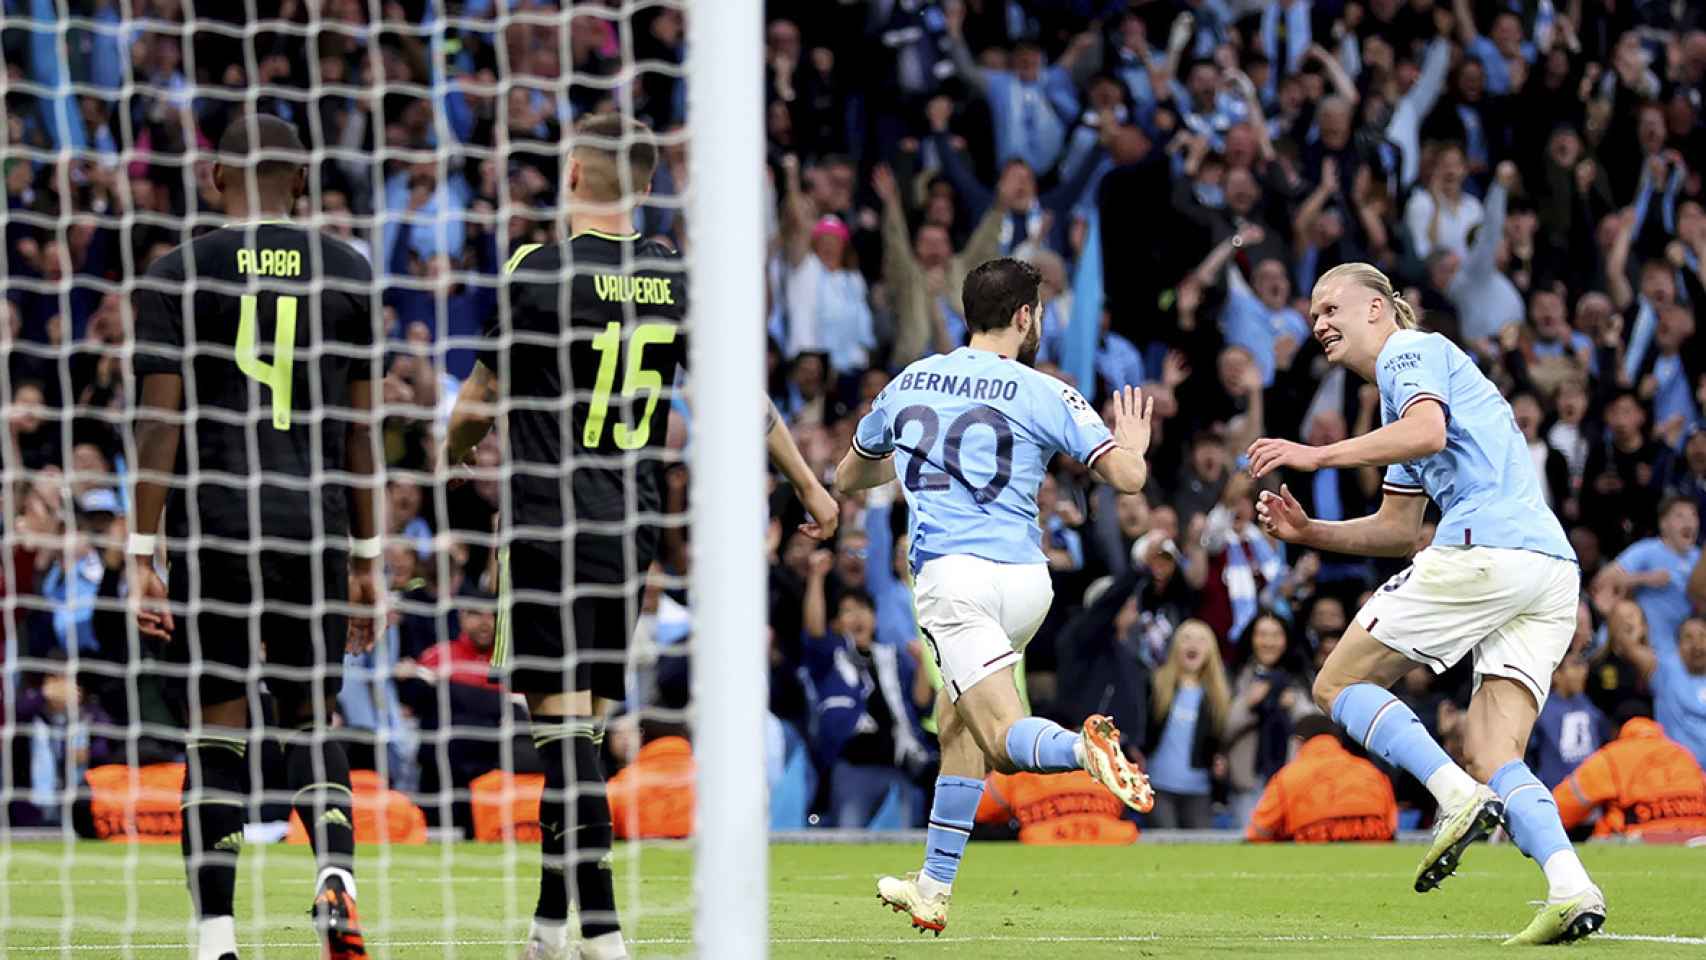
[1404,339]
[1045,387]
[1406,349]
[532,259]
[342,259]
[171,263]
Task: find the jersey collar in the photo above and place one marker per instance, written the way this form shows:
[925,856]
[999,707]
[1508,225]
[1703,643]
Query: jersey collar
[600,234]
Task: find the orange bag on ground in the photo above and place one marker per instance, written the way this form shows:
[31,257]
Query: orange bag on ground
[653,796]
[1056,809]
[506,805]
[137,804]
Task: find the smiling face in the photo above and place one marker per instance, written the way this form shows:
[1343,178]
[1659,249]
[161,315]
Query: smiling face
[1691,644]
[1350,321]
[1267,641]
[855,619]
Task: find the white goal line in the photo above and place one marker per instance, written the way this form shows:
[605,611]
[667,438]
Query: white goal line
[1669,939]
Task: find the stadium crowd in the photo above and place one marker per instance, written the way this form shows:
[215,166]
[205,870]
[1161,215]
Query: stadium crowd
[1532,172]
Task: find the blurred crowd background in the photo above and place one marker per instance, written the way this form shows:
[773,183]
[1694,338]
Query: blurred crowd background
[1528,171]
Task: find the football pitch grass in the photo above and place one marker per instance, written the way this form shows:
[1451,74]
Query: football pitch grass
[89,900]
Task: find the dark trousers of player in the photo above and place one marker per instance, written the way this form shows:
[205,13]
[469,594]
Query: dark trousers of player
[216,784]
[574,826]
[301,674]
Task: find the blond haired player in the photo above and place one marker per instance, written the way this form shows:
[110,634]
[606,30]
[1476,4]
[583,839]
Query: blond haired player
[1499,581]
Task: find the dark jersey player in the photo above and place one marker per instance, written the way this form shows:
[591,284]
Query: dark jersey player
[265,328]
[584,361]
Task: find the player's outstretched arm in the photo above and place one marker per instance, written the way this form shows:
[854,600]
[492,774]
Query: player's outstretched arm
[158,434]
[1124,467]
[1419,433]
[1390,531]
[785,455]
[472,417]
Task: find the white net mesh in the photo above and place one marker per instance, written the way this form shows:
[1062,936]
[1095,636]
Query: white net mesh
[436,134]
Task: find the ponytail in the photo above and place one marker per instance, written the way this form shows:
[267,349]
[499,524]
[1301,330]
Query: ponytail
[1404,313]
[1369,276]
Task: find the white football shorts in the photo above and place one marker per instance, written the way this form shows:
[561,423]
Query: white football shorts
[977,615]
[1514,609]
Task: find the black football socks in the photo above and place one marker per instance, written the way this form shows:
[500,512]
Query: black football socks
[317,772]
[575,834]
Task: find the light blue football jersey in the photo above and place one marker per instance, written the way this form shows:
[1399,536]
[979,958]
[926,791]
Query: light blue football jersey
[1484,480]
[972,433]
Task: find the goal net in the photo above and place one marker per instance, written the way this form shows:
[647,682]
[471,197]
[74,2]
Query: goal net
[437,134]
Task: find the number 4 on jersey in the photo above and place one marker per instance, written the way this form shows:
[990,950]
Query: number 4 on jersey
[277,373]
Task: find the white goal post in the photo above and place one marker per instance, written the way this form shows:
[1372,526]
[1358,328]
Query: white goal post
[730,684]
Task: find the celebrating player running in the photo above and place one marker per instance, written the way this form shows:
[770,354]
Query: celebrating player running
[973,431]
[1499,581]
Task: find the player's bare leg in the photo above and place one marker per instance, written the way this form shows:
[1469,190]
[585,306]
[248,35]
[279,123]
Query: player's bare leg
[924,894]
[215,774]
[1352,688]
[1501,717]
[575,834]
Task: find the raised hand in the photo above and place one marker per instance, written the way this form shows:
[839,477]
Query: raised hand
[819,564]
[882,181]
[954,13]
[1280,515]
[1175,369]
[1133,413]
[1506,175]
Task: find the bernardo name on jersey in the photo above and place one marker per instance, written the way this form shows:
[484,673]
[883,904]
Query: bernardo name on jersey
[972,433]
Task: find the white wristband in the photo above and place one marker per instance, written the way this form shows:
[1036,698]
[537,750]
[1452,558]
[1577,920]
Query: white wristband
[368,548]
[142,545]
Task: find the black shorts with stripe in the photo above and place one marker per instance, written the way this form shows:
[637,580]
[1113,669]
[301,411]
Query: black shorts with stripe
[557,636]
[283,611]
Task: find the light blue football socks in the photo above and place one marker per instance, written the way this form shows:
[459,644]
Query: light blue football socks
[951,816]
[1390,730]
[1042,746]
[1531,816]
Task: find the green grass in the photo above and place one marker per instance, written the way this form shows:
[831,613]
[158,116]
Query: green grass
[471,900]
